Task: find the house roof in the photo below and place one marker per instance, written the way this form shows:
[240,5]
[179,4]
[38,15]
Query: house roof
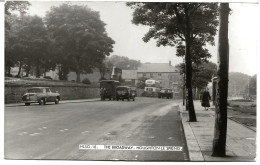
[156,67]
[129,74]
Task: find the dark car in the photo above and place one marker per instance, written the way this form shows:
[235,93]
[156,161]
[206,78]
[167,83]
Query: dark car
[124,92]
[40,95]
[165,93]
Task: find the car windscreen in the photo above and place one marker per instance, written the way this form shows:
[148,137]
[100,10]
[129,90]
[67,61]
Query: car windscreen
[34,90]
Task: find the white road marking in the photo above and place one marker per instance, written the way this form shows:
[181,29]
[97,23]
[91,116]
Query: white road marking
[33,134]
[151,137]
[22,133]
[63,130]
[84,132]
[170,138]
[250,138]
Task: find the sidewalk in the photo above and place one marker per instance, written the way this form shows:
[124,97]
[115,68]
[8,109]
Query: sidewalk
[61,102]
[240,143]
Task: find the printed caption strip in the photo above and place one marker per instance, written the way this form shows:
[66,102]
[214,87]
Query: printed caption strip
[136,148]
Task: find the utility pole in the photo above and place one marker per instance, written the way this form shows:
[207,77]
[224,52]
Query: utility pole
[220,131]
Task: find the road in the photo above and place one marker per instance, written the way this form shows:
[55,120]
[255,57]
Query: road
[56,131]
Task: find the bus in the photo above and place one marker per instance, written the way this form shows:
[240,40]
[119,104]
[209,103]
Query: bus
[152,87]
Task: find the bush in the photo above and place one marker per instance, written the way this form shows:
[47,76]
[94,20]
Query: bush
[48,77]
[8,75]
[86,81]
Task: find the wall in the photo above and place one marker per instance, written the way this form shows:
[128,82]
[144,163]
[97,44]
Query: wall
[13,93]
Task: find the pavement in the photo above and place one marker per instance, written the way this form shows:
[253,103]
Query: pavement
[240,143]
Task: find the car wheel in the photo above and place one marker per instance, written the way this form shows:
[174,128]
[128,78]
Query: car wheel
[128,99]
[122,99]
[57,100]
[133,99]
[27,104]
[117,99]
[42,102]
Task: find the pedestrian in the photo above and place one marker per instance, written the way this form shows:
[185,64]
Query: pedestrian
[205,98]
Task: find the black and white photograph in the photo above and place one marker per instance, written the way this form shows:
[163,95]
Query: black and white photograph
[138,81]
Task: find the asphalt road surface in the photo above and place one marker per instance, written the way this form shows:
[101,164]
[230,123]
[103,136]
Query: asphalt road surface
[56,131]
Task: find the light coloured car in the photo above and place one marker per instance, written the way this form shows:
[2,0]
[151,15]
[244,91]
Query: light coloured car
[40,95]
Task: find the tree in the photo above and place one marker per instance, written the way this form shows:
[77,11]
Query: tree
[80,34]
[220,131]
[202,74]
[10,7]
[176,24]
[123,62]
[10,18]
[29,44]
[141,82]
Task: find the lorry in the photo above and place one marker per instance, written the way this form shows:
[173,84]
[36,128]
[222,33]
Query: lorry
[108,89]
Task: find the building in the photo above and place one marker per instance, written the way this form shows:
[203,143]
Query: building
[130,77]
[167,74]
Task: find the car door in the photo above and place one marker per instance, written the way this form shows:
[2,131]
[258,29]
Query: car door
[50,96]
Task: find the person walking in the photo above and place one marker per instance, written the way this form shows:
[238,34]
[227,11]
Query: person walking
[205,98]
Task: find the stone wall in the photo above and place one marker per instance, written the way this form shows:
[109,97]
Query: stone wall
[13,93]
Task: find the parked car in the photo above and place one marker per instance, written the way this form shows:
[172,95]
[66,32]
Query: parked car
[40,95]
[124,92]
[167,93]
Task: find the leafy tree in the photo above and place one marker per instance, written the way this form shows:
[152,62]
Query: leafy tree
[10,8]
[122,62]
[203,74]
[178,23]
[80,35]
[141,82]
[29,44]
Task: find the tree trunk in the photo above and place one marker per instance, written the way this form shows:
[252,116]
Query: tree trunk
[78,76]
[38,69]
[28,68]
[220,132]
[9,70]
[188,70]
[20,68]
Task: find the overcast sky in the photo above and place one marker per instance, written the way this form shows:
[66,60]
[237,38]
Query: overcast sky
[128,37]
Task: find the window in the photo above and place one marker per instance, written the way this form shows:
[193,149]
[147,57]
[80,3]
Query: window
[151,75]
[48,90]
[159,74]
[144,74]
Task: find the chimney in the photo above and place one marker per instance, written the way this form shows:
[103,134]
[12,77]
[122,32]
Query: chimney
[170,63]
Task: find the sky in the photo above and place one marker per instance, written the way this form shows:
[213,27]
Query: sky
[129,43]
